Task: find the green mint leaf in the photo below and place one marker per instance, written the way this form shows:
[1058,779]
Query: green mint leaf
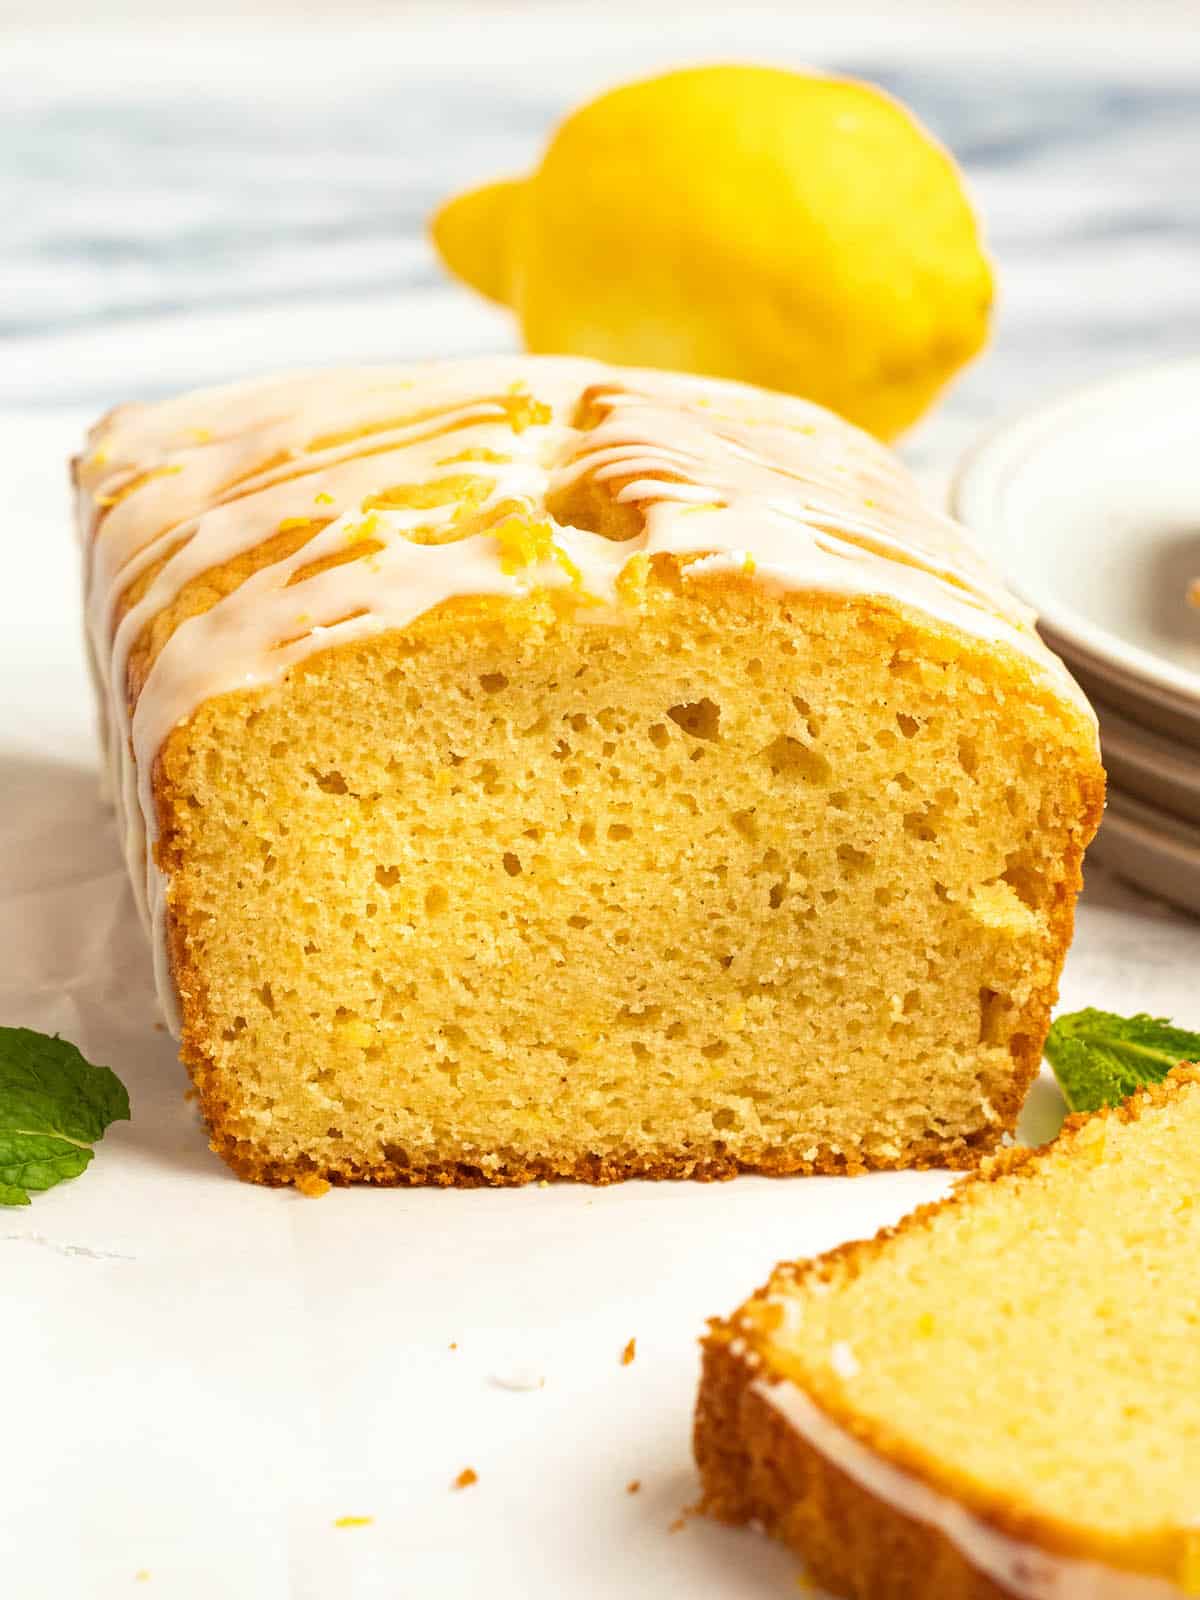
[1099,1058]
[54,1105]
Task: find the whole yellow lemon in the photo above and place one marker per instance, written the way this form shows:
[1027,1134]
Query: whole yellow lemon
[800,232]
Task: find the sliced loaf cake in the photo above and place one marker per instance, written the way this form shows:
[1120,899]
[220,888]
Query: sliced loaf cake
[530,768]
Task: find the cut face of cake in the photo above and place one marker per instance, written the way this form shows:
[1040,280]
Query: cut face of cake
[531,769]
[1001,1396]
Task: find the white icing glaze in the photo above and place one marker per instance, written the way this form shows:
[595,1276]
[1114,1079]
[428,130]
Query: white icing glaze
[1024,1569]
[736,478]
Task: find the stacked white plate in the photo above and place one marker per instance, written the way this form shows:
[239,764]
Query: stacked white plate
[1091,508]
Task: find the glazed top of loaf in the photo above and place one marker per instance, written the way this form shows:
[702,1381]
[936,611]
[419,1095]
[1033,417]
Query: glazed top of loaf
[445,477]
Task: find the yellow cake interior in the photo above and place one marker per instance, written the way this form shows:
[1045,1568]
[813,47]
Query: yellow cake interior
[732,879]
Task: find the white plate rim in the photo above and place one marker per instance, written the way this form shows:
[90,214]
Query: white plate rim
[1167,832]
[977,493]
[1146,847]
[1147,751]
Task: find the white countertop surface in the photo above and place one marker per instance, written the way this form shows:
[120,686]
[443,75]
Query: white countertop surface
[202,1376]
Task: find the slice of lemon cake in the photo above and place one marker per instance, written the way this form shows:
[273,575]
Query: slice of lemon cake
[530,768]
[999,1397]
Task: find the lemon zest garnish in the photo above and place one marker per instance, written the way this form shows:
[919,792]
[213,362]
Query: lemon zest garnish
[98,458]
[353,1522]
[324,499]
[525,412]
[528,544]
[633,578]
[478,453]
[201,435]
[290,523]
[366,529]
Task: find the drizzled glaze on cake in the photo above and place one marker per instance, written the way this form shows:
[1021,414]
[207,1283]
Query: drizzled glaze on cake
[1021,1569]
[724,477]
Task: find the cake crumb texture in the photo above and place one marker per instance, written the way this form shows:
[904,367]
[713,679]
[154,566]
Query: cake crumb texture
[1029,1349]
[753,884]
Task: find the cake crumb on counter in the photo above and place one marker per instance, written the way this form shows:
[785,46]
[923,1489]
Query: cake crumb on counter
[521,1380]
[684,1517]
[312,1187]
[466,1478]
[629,1352]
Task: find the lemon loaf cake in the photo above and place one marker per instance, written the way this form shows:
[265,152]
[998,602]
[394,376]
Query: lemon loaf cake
[531,768]
[999,1397]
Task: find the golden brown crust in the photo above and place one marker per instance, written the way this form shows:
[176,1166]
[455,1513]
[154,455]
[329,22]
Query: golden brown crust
[755,1466]
[404,1171]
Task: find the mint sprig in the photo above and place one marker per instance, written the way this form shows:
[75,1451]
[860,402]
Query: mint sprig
[54,1106]
[1100,1058]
